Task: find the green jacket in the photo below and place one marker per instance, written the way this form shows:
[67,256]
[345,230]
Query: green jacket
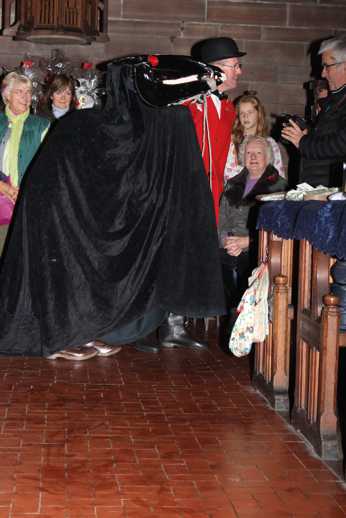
[30,141]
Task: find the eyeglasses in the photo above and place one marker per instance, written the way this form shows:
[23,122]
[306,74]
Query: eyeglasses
[236,66]
[329,65]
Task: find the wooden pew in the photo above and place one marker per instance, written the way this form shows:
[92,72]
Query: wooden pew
[271,369]
[317,353]
[316,344]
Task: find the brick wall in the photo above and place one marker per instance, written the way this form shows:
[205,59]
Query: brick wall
[276,35]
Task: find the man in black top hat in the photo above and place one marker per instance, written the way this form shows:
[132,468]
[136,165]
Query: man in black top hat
[214,50]
[213,119]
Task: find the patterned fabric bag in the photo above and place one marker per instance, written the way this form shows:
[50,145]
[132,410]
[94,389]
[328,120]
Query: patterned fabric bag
[252,324]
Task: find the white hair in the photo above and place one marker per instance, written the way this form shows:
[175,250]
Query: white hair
[265,143]
[10,80]
[337,45]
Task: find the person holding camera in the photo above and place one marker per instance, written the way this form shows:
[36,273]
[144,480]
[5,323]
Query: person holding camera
[323,148]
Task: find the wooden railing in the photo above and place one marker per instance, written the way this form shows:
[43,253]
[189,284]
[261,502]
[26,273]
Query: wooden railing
[82,21]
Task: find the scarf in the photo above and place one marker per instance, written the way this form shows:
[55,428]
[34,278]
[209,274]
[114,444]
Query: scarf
[16,124]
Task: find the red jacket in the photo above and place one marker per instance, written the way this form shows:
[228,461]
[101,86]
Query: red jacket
[220,130]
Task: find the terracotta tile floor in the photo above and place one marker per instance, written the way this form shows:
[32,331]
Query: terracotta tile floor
[178,434]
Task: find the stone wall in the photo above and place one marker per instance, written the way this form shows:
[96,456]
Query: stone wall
[277,36]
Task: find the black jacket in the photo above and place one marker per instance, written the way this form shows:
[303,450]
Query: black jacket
[324,149]
[237,213]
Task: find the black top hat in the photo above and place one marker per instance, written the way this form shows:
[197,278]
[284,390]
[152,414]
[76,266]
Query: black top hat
[215,49]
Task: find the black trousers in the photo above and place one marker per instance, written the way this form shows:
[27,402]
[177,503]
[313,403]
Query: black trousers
[135,330]
[235,272]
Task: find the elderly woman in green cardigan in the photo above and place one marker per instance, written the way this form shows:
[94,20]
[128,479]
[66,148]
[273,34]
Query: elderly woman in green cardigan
[21,134]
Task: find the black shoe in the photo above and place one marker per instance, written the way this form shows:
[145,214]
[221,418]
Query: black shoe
[146,346]
[172,333]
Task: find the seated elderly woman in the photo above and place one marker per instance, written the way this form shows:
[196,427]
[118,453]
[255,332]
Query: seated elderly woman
[238,214]
[20,137]
[59,98]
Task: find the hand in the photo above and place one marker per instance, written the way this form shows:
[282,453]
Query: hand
[235,245]
[293,133]
[9,191]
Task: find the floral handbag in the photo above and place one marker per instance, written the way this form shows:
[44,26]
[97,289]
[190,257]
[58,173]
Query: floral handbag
[252,324]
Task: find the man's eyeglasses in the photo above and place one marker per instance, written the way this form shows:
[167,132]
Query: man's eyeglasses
[329,65]
[236,66]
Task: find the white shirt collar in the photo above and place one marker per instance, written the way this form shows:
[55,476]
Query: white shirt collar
[217,104]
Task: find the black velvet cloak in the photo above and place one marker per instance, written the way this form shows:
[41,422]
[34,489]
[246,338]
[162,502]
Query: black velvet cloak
[114,220]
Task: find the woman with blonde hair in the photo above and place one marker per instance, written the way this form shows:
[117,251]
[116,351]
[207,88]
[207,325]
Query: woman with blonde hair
[250,122]
[21,134]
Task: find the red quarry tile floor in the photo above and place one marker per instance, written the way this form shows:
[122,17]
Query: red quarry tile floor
[178,434]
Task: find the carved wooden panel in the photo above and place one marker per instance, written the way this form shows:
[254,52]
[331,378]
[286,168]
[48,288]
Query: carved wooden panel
[45,13]
[50,21]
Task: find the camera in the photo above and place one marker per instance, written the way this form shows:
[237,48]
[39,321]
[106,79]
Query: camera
[284,120]
[286,117]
